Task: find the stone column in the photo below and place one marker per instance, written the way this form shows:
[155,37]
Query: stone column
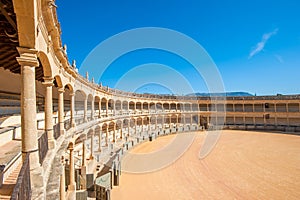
[121,108]
[85,109]
[128,127]
[83,162]
[128,108]
[135,126]
[48,83]
[100,108]
[100,134]
[114,133]
[92,146]
[121,133]
[106,105]
[83,167]
[61,110]
[72,186]
[93,109]
[72,96]
[62,192]
[106,136]
[28,61]
[134,107]
[114,108]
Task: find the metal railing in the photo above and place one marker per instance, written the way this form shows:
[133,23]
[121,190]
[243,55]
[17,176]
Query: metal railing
[67,124]
[43,146]
[56,131]
[22,189]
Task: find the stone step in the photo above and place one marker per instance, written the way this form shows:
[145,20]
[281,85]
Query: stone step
[9,184]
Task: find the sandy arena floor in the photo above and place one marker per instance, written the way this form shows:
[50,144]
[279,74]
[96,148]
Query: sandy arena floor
[243,165]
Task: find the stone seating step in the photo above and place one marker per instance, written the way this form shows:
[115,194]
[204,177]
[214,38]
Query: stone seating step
[9,184]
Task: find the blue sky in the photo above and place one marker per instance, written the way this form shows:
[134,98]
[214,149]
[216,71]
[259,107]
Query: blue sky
[254,44]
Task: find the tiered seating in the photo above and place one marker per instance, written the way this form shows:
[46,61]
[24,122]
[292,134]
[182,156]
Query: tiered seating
[10,104]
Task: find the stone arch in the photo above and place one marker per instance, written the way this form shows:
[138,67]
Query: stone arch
[173,118]
[80,138]
[103,106]
[58,80]
[79,103]
[90,132]
[131,106]
[70,87]
[90,100]
[159,106]
[152,106]
[118,105]
[187,106]
[173,107]
[43,58]
[166,106]
[145,106]
[125,105]
[68,92]
[97,105]
[111,105]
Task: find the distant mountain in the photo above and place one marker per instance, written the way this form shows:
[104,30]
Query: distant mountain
[228,94]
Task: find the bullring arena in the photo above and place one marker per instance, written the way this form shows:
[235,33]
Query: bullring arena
[63,136]
[243,165]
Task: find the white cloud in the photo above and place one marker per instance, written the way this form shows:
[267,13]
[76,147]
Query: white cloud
[260,46]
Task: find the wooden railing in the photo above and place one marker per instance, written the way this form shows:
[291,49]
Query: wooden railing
[43,147]
[22,189]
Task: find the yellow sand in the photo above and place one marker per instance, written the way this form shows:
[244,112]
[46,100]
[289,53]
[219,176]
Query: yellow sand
[243,165]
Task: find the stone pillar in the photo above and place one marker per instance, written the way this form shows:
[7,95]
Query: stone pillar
[142,125]
[61,110]
[92,146]
[83,162]
[48,83]
[128,106]
[121,108]
[135,126]
[100,108]
[114,108]
[85,109]
[129,127]
[72,186]
[114,133]
[100,134]
[83,167]
[134,107]
[121,133]
[72,96]
[106,105]
[106,136]
[93,109]
[28,61]
[62,191]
